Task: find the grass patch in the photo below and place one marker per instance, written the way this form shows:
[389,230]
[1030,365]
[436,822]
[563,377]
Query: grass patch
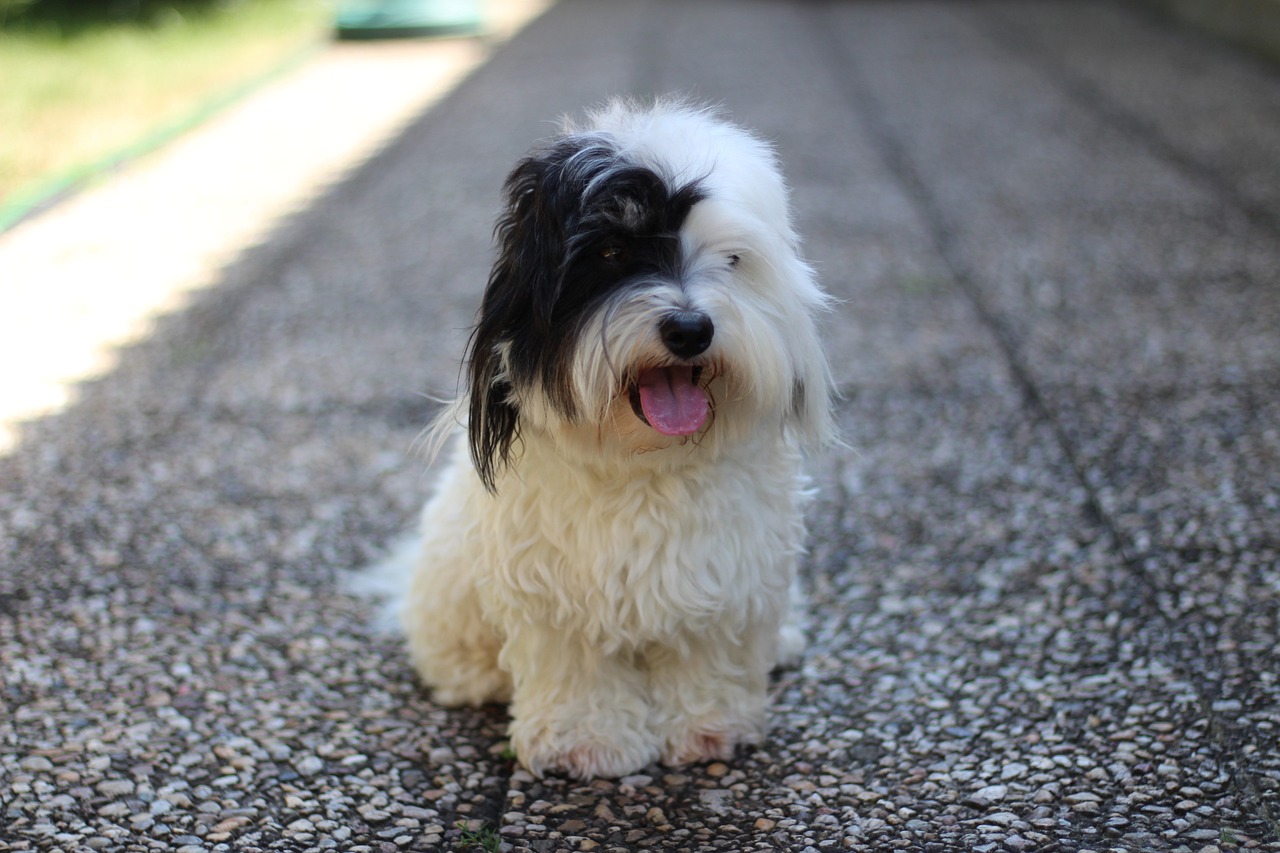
[483,837]
[85,80]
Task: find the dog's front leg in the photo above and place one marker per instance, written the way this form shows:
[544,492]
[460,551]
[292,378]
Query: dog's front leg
[577,708]
[710,695]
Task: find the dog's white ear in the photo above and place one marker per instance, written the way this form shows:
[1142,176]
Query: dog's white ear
[813,389]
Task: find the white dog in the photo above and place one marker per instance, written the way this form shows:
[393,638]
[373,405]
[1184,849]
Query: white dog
[613,550]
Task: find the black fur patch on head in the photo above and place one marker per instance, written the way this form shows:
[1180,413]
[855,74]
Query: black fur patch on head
[581,222]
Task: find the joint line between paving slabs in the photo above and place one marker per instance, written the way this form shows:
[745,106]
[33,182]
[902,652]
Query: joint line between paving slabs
[863,102]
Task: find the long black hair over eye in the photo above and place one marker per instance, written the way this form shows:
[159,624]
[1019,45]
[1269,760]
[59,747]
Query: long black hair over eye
[566,209]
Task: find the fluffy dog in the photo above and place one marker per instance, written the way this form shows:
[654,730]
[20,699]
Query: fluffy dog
[612,550]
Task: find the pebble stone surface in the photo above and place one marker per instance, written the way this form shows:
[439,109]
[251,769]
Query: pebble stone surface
[1044,574]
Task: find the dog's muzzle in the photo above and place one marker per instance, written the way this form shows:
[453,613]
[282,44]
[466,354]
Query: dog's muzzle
[669,397]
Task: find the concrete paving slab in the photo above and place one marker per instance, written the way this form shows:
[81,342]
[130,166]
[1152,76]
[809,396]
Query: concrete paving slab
[1043,591]
[1151,425]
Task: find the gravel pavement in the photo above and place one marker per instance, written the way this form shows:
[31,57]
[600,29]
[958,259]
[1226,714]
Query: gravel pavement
[1045,576]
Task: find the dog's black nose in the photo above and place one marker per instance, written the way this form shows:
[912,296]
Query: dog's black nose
[686,333]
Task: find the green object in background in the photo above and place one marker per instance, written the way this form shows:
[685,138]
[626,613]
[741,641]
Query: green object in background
[374,19]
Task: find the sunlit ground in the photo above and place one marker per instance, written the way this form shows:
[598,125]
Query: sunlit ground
[91,275]
[84,80]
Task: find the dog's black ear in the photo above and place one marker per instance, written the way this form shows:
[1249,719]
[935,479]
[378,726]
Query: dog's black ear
[524,340]
[509,334]
[494,423]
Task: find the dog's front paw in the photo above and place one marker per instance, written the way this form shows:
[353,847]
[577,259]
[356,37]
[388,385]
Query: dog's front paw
[692,747]
[583,756]
[704,740]
[595,759]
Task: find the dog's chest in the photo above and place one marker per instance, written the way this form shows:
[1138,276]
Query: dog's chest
[644,557]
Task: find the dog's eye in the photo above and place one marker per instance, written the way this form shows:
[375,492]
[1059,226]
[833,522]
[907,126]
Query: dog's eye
[734,260]
[614,254]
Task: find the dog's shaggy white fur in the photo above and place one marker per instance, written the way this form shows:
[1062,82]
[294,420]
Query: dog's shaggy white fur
[613,550]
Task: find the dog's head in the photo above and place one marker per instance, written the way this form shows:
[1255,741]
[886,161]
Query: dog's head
[648,295]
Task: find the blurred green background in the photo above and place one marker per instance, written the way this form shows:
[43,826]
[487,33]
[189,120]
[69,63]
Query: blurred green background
[87,81]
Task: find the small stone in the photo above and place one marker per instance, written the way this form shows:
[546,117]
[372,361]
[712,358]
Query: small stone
[716,770]
[992,793]
[308,765]
[115,787]
[765,825]
[1001,818]
[36,764]
[1013,770]
[802,786]
[158,699]
[1204,834]
[442,755]
[230,824]
[717,800]
[417,813]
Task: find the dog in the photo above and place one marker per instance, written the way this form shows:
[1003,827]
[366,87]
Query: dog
[612,548]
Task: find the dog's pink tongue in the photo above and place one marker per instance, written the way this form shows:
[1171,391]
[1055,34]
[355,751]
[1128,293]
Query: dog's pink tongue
[672,404]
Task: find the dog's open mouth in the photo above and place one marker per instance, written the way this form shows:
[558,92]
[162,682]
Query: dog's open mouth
[670,400]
